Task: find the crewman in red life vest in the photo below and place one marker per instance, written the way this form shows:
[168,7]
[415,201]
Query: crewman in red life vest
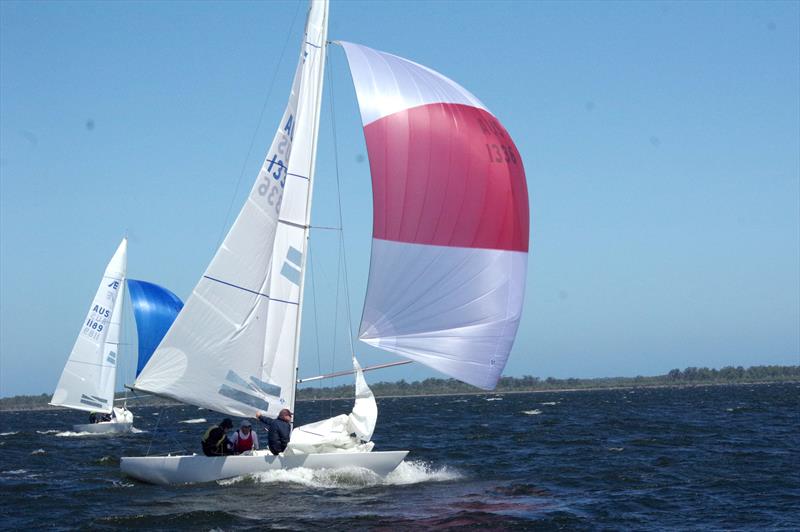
[244,439]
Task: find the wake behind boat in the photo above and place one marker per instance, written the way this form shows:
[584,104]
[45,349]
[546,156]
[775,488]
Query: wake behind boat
[447,271]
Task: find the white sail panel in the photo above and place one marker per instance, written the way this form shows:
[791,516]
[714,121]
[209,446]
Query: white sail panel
[232,347]
[343,433]
[87,382]
[364,416]
[108,374]
[387,84]
[450,220]
[454,309]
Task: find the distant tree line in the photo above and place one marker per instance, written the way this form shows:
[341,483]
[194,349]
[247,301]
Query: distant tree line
[687,377]
[38,402]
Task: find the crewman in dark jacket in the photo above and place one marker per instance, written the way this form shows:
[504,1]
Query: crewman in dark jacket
[215,440]
[279,430]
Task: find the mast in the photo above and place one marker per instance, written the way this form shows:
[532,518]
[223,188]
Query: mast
[323,19]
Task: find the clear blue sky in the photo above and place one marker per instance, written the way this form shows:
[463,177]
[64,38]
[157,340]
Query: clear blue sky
[661,142]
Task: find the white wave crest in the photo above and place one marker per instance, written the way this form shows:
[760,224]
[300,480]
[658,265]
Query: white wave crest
[51,431]
[190,421]
[70,434]
[413,472]
[39,451]
[532,412]
[549,403]
[9,433]
[134,430]
[494,398]
[15,472]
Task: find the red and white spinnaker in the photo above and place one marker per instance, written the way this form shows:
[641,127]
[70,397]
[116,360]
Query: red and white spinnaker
[450,220]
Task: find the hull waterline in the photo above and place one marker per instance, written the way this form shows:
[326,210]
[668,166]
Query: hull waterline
[105,427]
[197,468]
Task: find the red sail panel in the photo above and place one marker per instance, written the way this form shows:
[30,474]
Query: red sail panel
[449,175]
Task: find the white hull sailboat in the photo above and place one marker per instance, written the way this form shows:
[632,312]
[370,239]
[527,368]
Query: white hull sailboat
[198,468]
[87,382]
[121,421]
[447,270]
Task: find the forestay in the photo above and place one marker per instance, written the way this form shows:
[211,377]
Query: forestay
[233,346]
[87,382]
[450,220]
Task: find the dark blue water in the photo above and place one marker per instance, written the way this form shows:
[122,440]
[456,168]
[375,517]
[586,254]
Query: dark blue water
[723,457]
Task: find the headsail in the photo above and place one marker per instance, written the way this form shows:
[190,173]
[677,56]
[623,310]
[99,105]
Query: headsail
[155,309]
[87,382]
[450,222]
[233,346]
[343,433]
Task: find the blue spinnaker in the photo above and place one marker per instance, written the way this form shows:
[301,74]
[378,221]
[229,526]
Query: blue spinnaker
[155,308]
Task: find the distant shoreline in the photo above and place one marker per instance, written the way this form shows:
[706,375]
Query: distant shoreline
[566,390]
[632,386]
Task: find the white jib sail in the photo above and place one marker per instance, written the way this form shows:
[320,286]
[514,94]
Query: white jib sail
[233,346]
[343,433]
[87,382]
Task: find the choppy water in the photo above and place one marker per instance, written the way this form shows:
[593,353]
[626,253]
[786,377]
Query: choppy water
[714,457]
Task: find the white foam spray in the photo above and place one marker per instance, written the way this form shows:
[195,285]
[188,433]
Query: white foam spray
[411,472]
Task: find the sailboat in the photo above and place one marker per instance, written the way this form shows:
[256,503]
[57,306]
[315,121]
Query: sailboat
[88,379]
[447,271]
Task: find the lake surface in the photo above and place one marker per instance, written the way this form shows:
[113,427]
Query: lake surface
[723,457]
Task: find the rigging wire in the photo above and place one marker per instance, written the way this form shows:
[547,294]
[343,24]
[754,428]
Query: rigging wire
[258,127]
[343,249]
[314,305]
[155,430]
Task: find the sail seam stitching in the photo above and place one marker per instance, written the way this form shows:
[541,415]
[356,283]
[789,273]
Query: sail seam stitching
[248,290]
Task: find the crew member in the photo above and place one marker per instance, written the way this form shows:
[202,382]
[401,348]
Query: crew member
[215,440]
[280,430]
[244,439]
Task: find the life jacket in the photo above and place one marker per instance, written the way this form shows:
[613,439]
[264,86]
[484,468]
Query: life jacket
[213,448]
[243,444]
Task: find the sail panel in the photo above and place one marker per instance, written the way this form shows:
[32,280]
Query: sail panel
[87,382]
[450,220]
[448,175]
[387,84]
[455,310]
[155,309]
[231,348]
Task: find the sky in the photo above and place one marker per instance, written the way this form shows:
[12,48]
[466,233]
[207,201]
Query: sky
[661,142]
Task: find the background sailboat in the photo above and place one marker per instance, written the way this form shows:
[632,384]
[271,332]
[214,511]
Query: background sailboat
[448,264]
[88,379]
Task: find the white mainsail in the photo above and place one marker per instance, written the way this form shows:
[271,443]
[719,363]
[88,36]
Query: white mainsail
[233,347]
[87,382]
